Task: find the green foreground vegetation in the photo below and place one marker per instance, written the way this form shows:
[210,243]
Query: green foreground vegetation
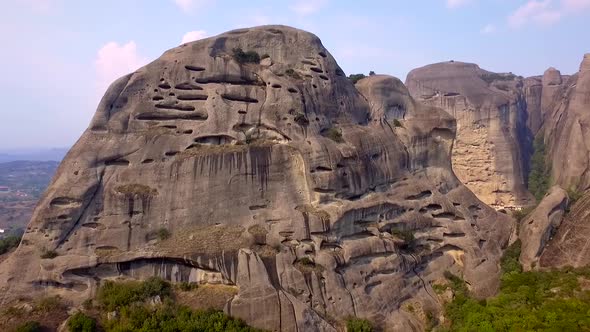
[143,306]
[539,179]
[8,243]
[527,301]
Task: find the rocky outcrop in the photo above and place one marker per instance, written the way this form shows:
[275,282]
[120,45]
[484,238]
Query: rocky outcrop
[566,132]
[570,246]
[540,225]
[491,152]
[316,200]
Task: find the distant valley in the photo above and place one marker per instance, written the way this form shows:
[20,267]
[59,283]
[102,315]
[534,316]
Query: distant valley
[21,185]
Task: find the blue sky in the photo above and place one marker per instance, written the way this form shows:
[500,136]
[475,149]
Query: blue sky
[60,55]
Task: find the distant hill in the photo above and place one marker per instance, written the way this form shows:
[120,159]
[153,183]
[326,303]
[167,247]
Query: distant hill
[53,154]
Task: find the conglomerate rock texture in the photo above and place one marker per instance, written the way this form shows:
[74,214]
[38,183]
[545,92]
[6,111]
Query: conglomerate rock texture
[490,155]
[315,199]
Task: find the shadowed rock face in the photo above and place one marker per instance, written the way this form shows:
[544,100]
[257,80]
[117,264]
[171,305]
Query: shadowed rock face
[539,226]
[280,178]
[493,141]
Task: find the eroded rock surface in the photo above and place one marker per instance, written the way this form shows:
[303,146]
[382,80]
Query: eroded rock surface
[566,131]
[279,178]
[540,225]
[492,146]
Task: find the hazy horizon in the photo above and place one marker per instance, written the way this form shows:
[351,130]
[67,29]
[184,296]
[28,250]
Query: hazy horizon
[64,54]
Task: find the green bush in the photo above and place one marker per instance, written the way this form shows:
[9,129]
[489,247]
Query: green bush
[519,215]
[187,286]
[49,303]
[356,77]
[8,243]
[48,254]
[397,123]
[407,236]
[292,73]
[358,325]
[79,322]
[539,177]
[509,262]
[527,301]
[573,196]
[245,57]
[30,326]
[163,234]
[113,295]
[334,134]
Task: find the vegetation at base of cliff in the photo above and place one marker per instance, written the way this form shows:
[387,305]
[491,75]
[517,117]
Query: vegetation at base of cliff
[114,295]
[519,215]
[80,322]
[31,326]
[539,179]
[397,123]
[528,301]
[8,243]
[150,306]
[358,325]
[509,262]
[245,57]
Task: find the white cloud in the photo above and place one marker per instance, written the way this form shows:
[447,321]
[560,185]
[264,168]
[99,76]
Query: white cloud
[114,60]
[193,35]
[456,3]
[307,7]
[534,11]
[546,12]
[191,5]
[488,29]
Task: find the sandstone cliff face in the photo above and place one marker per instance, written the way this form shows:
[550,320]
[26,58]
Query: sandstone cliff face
[491,152]
[279,178]
[566,130]
[566,135]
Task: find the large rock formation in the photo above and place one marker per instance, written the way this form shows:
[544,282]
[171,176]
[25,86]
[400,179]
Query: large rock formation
[568,138]
[491,152]
[540,225]
[566,131]
[539,93]
[316,200]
